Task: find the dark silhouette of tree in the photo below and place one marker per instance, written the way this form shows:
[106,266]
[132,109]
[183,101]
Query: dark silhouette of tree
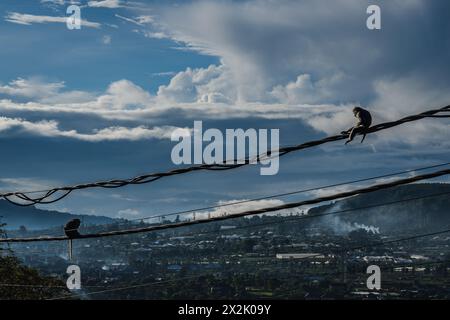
[18,282]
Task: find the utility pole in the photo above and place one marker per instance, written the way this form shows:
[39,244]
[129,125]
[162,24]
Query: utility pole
[344,267]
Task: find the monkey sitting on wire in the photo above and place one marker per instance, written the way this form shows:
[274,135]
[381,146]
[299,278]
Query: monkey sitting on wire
[71,231]
[71,228]
[364,121]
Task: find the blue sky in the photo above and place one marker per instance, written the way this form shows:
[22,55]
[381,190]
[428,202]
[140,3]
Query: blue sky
[101,102]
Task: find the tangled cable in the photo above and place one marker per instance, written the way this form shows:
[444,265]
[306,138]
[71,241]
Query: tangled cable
[290,205]
[226,165]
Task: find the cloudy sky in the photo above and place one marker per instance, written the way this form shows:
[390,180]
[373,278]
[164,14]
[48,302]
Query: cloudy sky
[101,102]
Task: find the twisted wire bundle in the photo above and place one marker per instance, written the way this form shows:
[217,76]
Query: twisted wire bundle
[226,165]
[290,205]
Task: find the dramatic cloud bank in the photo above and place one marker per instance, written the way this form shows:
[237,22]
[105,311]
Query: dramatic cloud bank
[308,60]
[28,19]
[51,129]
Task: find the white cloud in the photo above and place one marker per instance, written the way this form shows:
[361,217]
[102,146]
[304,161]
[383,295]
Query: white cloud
[139,20]
[146,22]
[164,74]
[161,111]
[122,197]
[38,89]
[111,4]
[270,48]
[407,95]
[302,88]
[31,88]
[333,120]
[394,99]
[305,90]
[20,183]
[212,84]
[127,19]
[278,61]
[247,206]
[153,35]
[210,93]
[145,19]
[28,19]
[50,129]
[106,39]
[410,95]
[58,2]
[124,94]
[333,190]
[265,43]
[128,213]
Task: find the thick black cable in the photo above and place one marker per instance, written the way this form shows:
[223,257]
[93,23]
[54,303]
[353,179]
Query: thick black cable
[288,219]
[288,193]
[241,214]
[226,165]
[314,216]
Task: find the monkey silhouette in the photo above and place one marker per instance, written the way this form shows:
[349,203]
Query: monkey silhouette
[71,228]
[364,121]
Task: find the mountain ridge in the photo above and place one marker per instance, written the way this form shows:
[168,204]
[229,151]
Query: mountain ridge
[33,218]
[429,212]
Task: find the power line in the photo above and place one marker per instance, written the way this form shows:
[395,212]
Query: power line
[191,277]
[226,165]
[306,257]
[291,205]
[280,194]
[30,286]
[288,193]
[304,217]
[286,220]
[13,285]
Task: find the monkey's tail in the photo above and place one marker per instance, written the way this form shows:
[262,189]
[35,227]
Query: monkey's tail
[364,136]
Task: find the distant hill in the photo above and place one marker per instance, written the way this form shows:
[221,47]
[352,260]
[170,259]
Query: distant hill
[429,213]
[35,219]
